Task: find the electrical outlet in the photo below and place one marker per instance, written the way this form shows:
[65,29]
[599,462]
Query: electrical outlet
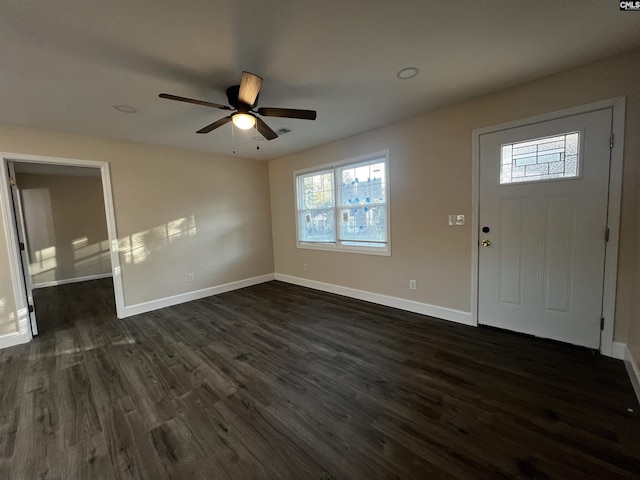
[190,277]
[412,284]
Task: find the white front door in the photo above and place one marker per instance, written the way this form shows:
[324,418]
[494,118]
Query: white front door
[543,218]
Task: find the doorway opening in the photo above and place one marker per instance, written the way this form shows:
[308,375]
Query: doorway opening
[62,241]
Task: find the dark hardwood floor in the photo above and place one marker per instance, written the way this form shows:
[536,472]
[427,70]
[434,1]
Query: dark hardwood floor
[60,307]
[279,381]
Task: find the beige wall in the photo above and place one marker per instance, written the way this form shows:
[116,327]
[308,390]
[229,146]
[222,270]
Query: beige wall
[430,177]
[177,212]
[633,340]
[8,318]
[65,225]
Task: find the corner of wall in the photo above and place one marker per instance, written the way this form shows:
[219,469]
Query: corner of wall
[632,362]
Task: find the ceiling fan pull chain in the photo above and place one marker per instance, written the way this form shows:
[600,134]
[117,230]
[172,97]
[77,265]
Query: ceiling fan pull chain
[257,139]
[233,136]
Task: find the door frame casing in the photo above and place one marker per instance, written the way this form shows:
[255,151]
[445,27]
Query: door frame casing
[613,210]
[25,260]
[24,328]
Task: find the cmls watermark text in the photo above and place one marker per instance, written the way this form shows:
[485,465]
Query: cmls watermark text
[630,5]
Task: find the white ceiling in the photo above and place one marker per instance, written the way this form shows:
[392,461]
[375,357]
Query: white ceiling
[66,63]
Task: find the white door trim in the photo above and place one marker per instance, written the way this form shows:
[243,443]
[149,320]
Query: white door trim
[613,214]
[24,330]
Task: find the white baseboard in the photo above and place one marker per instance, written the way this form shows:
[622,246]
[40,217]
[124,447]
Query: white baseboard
[618,351]
[12,339]
[444,313]
[195,295]
[55,283]
[633,368]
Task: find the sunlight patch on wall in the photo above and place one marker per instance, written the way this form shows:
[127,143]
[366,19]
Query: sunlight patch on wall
[23,320]
[7,319]
[90,259]
[136,248]
[181,228]
[79,243]
[43,265]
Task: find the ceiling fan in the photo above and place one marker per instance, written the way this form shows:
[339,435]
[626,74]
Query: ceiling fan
[243,99]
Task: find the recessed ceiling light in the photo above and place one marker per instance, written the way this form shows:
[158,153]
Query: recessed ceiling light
[407,73]
[125,108]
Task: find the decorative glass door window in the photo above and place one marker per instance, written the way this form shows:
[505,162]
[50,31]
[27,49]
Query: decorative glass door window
[541,159]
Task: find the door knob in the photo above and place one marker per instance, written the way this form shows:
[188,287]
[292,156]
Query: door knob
[486,243]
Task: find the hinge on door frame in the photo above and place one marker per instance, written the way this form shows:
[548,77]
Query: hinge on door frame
[601,323]
[611,141]
[21,245]
[12,181]
[606,235]
[30,308]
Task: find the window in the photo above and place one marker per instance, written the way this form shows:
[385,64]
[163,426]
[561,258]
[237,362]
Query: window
[541,159]
[344,206]
[316,207]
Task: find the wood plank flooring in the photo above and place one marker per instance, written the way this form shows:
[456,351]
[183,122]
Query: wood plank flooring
[279,381]
[57,309]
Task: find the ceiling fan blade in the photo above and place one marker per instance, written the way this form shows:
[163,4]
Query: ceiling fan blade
[249,88]
[288,113]
[214,125]
[265,130]
[191,100]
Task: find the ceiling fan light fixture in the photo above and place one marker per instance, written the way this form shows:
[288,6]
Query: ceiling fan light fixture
[242,98]
[244,121]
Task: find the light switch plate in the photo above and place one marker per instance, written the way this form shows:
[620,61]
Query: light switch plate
[456,220]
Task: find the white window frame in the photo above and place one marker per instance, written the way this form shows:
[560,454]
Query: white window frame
[337,205]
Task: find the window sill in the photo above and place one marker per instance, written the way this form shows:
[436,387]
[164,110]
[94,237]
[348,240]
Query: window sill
[327,247]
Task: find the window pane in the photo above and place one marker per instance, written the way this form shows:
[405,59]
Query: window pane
[317,190]
[317,226]
[365,223]
[345,206]
[363,184]
[540,159]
